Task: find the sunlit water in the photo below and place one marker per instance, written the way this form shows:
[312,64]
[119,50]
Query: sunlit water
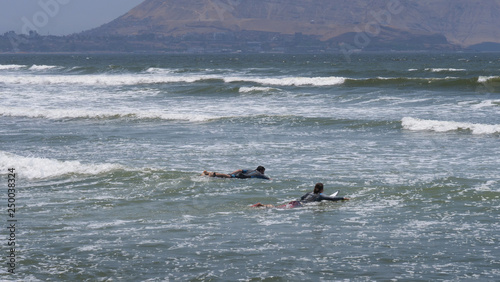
[108,150]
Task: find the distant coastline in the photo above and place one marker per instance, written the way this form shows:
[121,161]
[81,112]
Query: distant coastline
[272,26]
[11,42]
[201,44]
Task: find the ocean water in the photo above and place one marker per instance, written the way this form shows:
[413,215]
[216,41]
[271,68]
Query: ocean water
[108,152]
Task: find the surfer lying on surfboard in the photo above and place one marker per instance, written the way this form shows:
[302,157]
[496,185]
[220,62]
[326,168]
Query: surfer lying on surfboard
[241,173]
[310,197]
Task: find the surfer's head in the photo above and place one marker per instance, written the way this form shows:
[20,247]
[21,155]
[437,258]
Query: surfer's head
[261,169]
[318,188]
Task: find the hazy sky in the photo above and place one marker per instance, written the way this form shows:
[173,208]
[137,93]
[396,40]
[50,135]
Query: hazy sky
[60,17]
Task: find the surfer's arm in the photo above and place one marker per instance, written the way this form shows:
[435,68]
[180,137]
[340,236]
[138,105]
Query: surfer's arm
[334,198]
[263,176]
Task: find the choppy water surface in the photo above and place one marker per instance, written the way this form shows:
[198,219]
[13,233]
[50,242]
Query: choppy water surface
[108,150]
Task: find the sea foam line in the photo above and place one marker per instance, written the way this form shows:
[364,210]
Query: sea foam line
[487,103]
[111,80]
[444,70]
[42,67]
[42,168]
[99,80]
[291,81]
[416,124]
[484,79]
[134,114]
[11,67]
[93,114]
[159,71]
[256,89]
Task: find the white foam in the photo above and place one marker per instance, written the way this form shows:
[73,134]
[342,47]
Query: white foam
[291,81]
[156,78]
[104,114]
[444,70]
[486,103]
[101,225]
[490,185]
[11,67]
[101,80]
[89,248]
[416,124]
[41,67]
[256,89]
[484,79]
[41,168]
[159,71]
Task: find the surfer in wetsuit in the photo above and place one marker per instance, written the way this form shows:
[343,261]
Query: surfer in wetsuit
[309,197]
[241,173]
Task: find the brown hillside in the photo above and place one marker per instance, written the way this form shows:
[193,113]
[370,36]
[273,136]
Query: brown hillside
[462,22]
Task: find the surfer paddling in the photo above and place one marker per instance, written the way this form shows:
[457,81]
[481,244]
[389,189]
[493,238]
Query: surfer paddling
[259,172]
[315,196]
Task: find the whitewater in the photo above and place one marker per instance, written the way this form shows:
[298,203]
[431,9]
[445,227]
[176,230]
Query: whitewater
[108,151]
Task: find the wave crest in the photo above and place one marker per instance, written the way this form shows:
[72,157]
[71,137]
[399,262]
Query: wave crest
[93,114]
[256,89]
[415,124]
[43,168]
[11,67]
[42,67]
[291,81]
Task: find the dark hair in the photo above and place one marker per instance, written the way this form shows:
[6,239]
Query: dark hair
[261,169]
[318,188]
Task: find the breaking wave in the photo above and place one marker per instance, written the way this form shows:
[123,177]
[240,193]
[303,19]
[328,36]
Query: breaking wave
[93,114]
[415,124]
[17,74]
[291,81]
[11,67]
[256,89]
[485,79]
[444,70]
[43,168]
[42,67]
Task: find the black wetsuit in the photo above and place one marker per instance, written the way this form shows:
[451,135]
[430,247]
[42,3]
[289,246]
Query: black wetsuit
[246,173]
[309,198]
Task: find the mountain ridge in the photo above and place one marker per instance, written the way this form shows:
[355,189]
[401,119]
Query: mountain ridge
[283,26]
[461,22]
